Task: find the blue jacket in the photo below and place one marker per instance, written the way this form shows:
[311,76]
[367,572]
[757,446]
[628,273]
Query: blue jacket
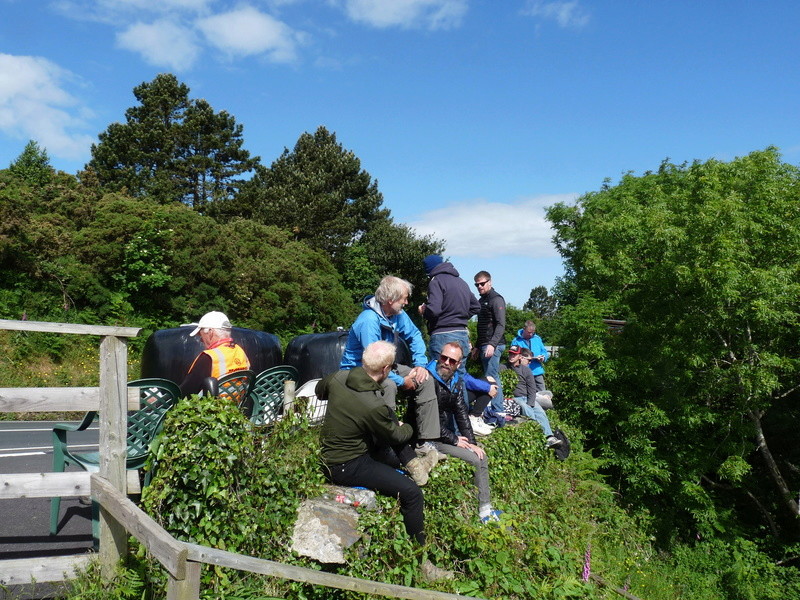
[372,325]
[536,346]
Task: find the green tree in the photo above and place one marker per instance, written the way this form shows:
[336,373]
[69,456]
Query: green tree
[396,249]
[33,165]
[688,403]
[172,148]
[540,303]
[318,192]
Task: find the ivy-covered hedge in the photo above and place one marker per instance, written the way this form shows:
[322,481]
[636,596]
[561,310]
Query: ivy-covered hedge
[222,483]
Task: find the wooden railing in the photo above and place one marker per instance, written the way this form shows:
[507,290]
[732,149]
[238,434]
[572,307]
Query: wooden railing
[111,400]
[119,517]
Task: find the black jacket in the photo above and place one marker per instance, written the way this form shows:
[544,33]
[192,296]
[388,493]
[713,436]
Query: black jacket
[451,402]
[491,319]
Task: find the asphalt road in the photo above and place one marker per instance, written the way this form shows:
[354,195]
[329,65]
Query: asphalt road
[26,447]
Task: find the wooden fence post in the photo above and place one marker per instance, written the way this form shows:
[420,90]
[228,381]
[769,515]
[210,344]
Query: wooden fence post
[288,396]
[113,444]
[188,588]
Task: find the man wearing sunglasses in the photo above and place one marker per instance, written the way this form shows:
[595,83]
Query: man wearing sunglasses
[449,396]
[491,328]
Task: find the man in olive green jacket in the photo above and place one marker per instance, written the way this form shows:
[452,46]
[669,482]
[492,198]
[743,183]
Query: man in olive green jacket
[357,424]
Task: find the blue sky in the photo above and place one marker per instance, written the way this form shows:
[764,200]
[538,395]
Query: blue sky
[473,115]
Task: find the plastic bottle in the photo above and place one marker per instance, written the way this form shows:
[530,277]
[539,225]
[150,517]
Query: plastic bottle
[342,499]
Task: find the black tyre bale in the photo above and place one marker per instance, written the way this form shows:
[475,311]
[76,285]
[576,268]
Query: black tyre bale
[316,355]
[169,353]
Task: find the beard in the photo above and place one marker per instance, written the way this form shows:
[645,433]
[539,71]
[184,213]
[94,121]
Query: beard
[444,372]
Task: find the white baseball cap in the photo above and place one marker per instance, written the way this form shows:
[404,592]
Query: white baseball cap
[211,320]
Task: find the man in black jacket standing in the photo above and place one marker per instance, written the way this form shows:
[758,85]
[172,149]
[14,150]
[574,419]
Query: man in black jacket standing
[491,329]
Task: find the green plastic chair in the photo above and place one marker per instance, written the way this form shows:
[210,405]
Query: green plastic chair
[266,393]
[157,396]
[235,386]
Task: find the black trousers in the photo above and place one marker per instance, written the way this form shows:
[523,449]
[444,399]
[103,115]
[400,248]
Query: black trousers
[478,401]
[367,472]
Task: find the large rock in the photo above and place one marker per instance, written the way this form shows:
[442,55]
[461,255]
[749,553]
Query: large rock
[326,526]
[324,529]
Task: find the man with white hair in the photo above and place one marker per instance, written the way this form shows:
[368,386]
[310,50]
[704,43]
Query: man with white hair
[220,357]
[383,318]
[357,422]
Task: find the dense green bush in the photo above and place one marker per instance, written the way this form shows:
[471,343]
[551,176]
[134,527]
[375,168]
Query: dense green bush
[223,483]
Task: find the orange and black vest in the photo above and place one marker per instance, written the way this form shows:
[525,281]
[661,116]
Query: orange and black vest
[226,357]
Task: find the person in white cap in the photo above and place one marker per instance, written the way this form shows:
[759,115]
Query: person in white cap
[221,356]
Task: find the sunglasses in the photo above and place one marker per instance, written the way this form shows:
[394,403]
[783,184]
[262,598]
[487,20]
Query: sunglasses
[449,360]
[481,283]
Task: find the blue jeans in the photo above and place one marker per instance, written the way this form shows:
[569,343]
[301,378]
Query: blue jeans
[536,413]
[491,367]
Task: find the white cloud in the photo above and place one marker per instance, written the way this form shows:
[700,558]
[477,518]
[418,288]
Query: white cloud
[433,14]
[567,13]
[162,44]
[246,31]
[516,229]
[35,105]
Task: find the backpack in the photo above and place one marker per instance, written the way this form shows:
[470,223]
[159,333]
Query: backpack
[511,407]
[562,450]
[492,417]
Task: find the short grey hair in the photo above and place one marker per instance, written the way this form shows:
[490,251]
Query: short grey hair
[377,355]
[392,288]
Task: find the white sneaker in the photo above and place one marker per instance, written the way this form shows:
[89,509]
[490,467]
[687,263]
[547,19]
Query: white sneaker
[478,426]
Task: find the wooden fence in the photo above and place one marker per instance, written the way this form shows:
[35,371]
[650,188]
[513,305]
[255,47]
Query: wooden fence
[119,517]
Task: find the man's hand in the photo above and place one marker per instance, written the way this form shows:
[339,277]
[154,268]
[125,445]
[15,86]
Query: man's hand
[464,443]
[489,352]
[409,383]
[416,377]
[420,374]
[421,309]
[492,391]
[478,451]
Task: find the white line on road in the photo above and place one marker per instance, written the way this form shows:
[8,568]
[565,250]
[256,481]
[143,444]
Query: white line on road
[45,448]
[20,454]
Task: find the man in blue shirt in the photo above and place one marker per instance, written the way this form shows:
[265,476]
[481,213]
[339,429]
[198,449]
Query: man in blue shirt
[527,338]
[383,318]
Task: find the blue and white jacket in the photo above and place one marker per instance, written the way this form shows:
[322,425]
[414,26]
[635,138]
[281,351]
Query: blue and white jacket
[372,325]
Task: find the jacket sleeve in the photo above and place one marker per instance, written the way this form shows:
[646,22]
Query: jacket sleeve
[433,305]
[499,312]
[474,384]
[383,424]
[462,420]
[474,305]
[446,435]
[543,350]
[411,334]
